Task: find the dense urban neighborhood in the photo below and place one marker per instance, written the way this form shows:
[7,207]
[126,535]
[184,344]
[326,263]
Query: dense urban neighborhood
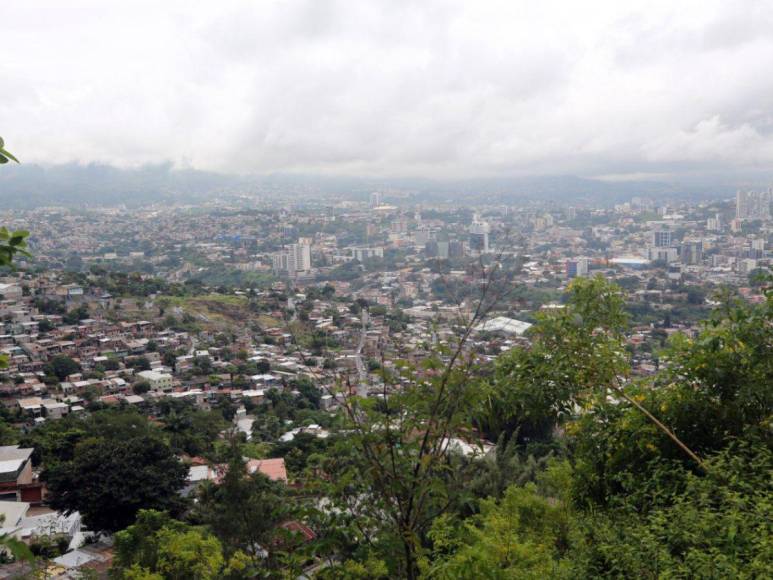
[152,355]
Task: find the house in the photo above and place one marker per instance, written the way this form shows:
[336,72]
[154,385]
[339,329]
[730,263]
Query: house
[17,481]
[256,396]
[32,405]
[274,469]
[55,409]
[10,291]
[327,402]
[158,381]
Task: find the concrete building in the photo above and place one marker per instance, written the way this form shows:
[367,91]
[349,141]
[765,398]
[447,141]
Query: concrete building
[17,481]
[504,326]
[158,381]
[753,205]
[576,267]
[399,226]
[479,235]
[296,258]
[421,236]
[666,255]
[691,252]
[362,254]
[661,238]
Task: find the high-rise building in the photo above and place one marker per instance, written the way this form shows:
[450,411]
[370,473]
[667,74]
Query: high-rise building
[661,238]
[576,267]
[757,248]
[375,199]
[714,224]
[747,265]
[455,249]
[296,258]
[479,232]
[362,254]
[754,205]
[691,252]
[421,236]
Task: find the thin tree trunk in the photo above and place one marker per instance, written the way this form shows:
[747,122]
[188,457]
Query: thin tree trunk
[619,390]
[411,571]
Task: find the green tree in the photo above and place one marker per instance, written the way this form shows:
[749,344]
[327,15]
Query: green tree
[156,546]
[394,458]
[576,359]
[141,387]
[61,366]
[109,480]
[11,243]
[713,525]
[523,536]
[5,155]
[244,511]
[190,430]
[267,427]
[190,554]
[139,363]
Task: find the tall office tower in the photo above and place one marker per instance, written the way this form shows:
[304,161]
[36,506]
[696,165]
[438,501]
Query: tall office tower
[714,224]
[375,199]
[741,204]
[753,205]
[577,267]
[479,231]
[421,236]
[691,252]
[757,248]
[661,238]
[279,262]
[455,249]
[296,258]
[302,252]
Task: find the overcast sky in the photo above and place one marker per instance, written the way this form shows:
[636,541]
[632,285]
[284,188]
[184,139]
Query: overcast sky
[395,88]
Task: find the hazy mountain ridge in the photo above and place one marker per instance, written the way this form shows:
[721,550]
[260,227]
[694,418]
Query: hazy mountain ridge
[28,186]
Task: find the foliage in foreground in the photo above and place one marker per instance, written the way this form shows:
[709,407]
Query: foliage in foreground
[591,477]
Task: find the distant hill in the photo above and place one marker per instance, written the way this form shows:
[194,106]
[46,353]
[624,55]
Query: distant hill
[76,185]
[26,186]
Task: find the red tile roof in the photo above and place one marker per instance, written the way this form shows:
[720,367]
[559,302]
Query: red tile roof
[274,469]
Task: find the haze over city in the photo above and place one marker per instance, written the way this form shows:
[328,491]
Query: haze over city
[651,90]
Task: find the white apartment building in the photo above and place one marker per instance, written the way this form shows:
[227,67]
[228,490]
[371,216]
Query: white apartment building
[296,258]
[158,381]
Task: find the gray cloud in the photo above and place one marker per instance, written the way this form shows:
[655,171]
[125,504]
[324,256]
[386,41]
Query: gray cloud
[402,88]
